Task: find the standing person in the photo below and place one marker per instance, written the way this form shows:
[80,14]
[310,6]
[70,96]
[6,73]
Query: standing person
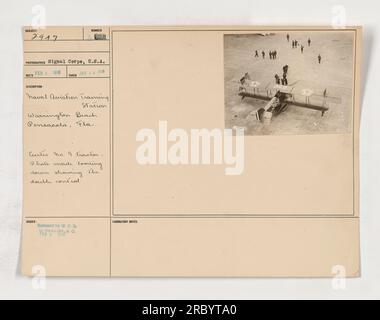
[288,37]
[302,47]
[309,42]
[256,54]
[324,96]
[293,44]
[263,54]
[277,78]
[275,54]
[319,59]
[285,79]
[270,55]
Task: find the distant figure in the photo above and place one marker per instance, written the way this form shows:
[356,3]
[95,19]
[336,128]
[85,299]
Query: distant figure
[275,54]
[309,42]
[285,69]
[285,80]
[293,44]
[256,54]
[302,47]
[277,78]
[288,37]
[319,59]
[263,54]
[282,81]
[324,97]
[270,55]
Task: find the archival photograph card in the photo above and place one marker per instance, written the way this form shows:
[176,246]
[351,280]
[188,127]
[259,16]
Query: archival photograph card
[218,151]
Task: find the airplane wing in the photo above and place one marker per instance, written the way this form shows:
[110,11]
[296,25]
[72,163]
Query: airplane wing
[245,94]
[308,106]
[319,98]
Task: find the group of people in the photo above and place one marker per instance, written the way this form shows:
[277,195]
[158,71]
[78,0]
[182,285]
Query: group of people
[272,54]
[284,80]
[296,44]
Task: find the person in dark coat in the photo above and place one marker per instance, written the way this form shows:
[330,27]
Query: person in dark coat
[276,76]
[285,80]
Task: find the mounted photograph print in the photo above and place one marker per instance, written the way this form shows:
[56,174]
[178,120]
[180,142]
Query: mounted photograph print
[291,82]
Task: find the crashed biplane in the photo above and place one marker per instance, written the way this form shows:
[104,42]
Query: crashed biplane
[280,97]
